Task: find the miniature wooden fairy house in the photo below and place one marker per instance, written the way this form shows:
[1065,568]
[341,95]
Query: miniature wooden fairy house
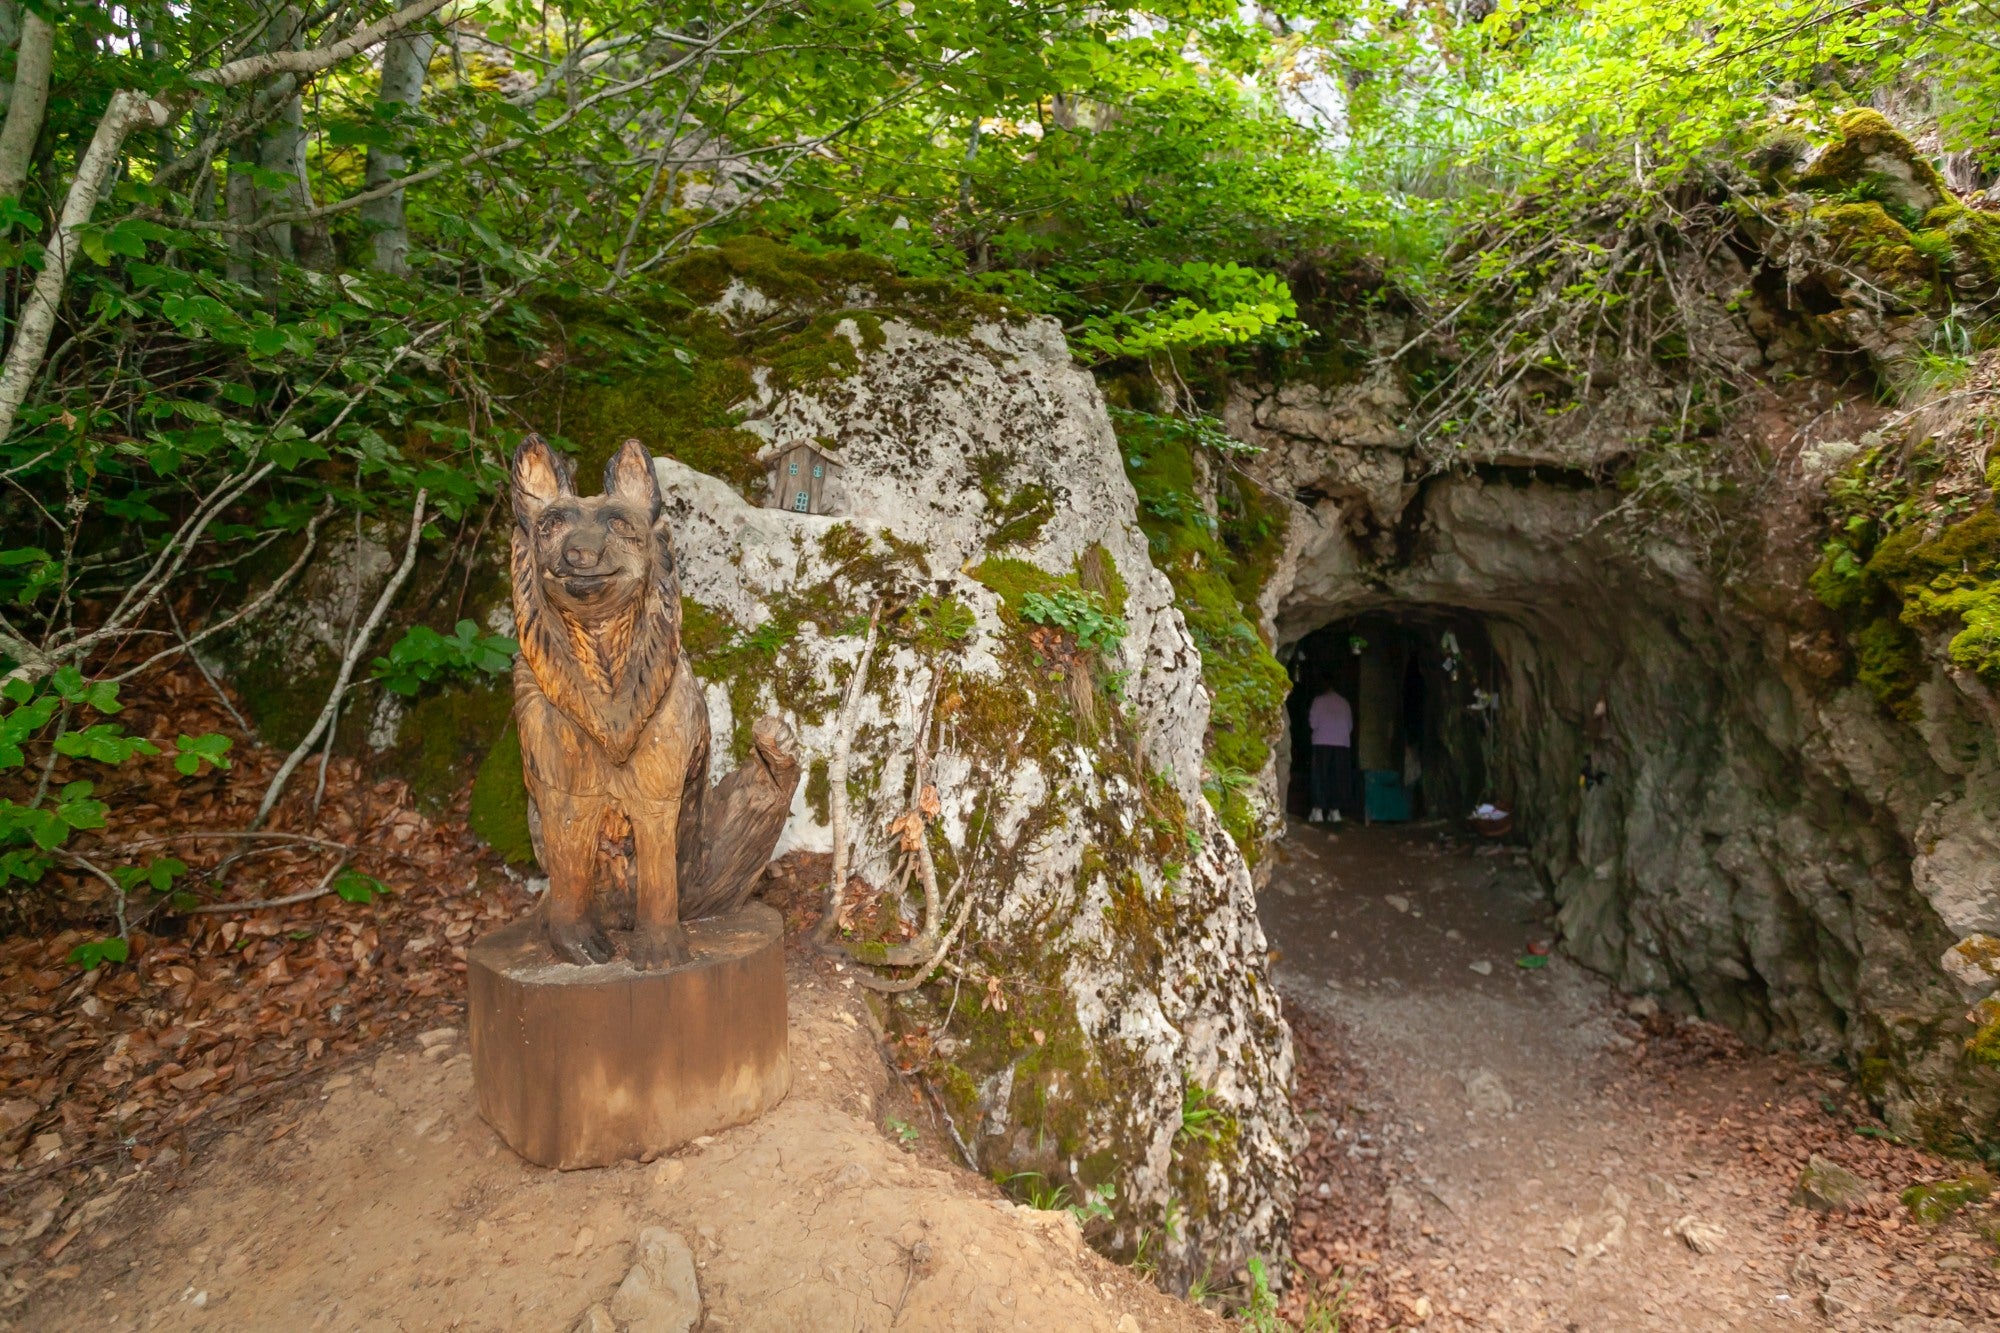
[804,477]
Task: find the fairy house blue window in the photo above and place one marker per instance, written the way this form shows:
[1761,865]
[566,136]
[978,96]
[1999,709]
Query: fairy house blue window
[802,476]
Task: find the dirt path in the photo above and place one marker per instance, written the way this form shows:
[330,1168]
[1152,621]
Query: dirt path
[385,1202]
[1512,1148]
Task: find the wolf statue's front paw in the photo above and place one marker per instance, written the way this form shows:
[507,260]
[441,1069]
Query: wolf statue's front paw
[655,947]
[582,941]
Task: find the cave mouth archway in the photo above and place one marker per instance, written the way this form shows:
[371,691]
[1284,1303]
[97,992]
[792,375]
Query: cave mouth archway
[1420,684]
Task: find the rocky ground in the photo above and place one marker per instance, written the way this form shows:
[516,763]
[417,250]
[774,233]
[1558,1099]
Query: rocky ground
[381,1200]
[1519,1147]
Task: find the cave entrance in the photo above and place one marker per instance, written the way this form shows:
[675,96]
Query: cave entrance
[1418,689]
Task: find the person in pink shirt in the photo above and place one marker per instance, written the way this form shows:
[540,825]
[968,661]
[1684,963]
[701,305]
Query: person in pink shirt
[1331,721]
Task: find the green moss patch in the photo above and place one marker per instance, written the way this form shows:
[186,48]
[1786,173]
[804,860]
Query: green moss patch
[445,736]
[1935,1201]
[1864,234]
[1011,580]
[1951,577]
[1218,566]
[655,365]
[284,689]
[1904,572]
[499,809]
[842,279]
[1018,515]
[1974,237]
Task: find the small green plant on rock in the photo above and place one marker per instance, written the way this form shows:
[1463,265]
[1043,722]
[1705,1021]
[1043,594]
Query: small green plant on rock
[1082,614]
[423,655]
[1200,1122]
[1039,1193]
[1260,1308]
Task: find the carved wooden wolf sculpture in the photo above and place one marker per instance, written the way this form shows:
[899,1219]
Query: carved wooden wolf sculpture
[613,729]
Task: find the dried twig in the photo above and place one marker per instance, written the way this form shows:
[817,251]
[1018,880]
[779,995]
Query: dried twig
[221,695]
[324,887]
[353,655]
[836,777]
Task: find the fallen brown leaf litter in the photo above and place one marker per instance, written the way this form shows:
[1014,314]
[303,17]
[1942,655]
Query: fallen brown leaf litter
[114,1079]
[1350,1266]
[116,1076]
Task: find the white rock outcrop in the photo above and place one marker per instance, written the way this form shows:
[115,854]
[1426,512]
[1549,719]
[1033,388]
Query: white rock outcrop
[1113,959]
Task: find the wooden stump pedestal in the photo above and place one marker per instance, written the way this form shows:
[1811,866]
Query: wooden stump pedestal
[585,1066]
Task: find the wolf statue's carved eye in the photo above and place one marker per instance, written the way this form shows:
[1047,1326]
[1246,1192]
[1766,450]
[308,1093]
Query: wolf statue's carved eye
[548,525]
[624,528]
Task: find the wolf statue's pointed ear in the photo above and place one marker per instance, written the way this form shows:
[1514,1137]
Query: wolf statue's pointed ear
[540,475]
[630,476]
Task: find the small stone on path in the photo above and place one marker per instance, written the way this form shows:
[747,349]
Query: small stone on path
[1397,901]
[1486,1092]
[1828,1187]
[1701,1237]
[597,1319]
[1482,967]
[660,1294]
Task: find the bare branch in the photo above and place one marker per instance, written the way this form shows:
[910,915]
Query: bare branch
[127,112]
[315,59]
[324,887]
[354,651]
[836,775]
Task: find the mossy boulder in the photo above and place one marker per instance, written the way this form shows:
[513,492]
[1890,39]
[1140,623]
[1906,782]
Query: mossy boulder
[499,807]
[1873,159]
[1878,248]
[678,360]
[1935,1201]
[1110,958]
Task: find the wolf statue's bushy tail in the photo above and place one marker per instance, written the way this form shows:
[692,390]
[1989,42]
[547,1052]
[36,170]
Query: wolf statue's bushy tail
[614,734]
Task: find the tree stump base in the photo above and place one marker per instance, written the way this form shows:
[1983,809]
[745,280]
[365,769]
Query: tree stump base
[585,1066]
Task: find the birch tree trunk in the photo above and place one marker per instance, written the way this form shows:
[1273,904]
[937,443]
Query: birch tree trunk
[406,59]
[26,104]
[10,33]
[279,146]
[128,111]
[239,206]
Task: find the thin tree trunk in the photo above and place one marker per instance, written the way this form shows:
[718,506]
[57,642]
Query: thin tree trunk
[239,206]
[10,33]
[128,111]
[25,106]
[279,146]
[836,777]
[406,59]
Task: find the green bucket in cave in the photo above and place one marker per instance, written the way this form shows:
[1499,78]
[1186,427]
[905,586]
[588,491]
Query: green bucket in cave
[1387,799]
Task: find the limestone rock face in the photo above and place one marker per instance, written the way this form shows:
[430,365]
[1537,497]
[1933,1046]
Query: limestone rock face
[1111,965]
